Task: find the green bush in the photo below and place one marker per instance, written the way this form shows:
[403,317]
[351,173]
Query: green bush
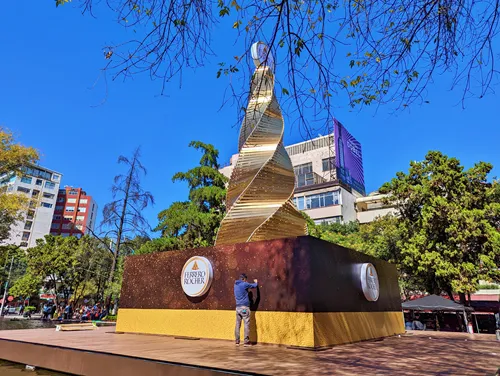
[111,317]
[489,287]
[29,309]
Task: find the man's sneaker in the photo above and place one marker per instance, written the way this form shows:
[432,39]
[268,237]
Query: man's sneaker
[237,343]
[247,344]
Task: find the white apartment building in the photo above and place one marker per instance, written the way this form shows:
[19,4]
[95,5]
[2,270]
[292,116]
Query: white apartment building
[41,185]
[318,192]
[372,206]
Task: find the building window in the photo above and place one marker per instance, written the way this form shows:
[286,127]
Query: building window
[27,225]
[322,200]
[26,235]
[24,190]
[326,221]
[7,179]
[39,182]
[62,192]
[79,227]
[35,193]
[60,199]
[56,217]
[32,204]
[67,226]
[80,218]
[59,208]
[299,202]
[70,208]
[48,195]
[305,179]
[82,210]
[73,192]
[302,169]
[68,217]
[83,201]
[71,200]
[54,226]
[23,244]
[55,177]
[26,179]
[45,205]
[50,185]
[36,172]
[329,164]
[31,214]
[65,235]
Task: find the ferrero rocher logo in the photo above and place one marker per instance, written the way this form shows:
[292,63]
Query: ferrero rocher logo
[196,277]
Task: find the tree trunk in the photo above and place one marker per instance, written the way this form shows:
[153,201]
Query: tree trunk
[450,294]
[120,232]
[462,298]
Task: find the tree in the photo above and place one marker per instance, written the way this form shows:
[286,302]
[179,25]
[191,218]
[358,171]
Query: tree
[370,50]
[73,268]
[123,216]
[447,232]
[129,247]
[344,234]
[194,223]
[13,156]
[161,245]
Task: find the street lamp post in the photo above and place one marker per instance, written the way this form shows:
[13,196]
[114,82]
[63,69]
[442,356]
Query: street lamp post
[6,287]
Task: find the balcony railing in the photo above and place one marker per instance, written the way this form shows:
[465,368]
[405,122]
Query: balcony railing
[309,178]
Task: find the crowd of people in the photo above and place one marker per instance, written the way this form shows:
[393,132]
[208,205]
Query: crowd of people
[67,311]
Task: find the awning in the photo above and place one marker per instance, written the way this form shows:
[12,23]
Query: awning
[47,296]
[434,303]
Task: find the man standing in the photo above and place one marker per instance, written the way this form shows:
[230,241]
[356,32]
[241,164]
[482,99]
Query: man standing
[241,287]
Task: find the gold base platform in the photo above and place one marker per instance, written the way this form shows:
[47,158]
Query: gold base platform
[301,329]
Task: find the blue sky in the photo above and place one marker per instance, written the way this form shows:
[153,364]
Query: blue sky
[51,58]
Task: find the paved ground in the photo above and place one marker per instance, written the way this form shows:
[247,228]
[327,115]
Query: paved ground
[416,353]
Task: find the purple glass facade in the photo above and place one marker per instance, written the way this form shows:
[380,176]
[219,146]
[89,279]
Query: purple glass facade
[349,158]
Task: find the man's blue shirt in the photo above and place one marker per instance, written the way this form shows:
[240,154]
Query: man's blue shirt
[241,292]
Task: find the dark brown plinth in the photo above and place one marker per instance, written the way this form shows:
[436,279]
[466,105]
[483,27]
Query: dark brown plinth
[310,294]
[302,274]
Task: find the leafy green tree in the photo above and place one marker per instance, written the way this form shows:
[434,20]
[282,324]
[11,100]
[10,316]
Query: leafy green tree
[194,223]
[344,234]
[446,235]
[13,156]
[170,243]
[71,267]
[129,247]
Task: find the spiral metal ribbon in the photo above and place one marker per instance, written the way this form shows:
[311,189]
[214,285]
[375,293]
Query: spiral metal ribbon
[262,182]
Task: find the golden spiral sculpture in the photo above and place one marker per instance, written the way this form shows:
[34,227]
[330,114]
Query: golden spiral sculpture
[262,182]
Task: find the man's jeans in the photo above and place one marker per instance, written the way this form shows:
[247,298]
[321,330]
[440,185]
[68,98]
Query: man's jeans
[242,313]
